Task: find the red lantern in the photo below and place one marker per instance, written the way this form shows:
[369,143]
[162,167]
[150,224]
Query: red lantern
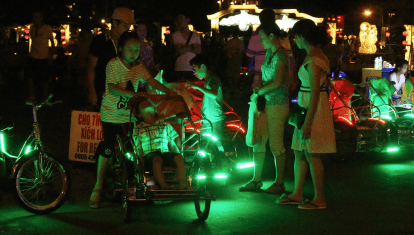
[26,31]
[64,43]
[405,43]
[328,31]
[26,37]
[62,37]
[405,33]
[167,32]
[99,32]
[62,30]
[379,43]
[340,36]
[387,34]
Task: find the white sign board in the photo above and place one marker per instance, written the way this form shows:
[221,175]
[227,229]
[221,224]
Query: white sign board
[85,134]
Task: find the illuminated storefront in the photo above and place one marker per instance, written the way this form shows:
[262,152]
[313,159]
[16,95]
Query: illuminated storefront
[246,16]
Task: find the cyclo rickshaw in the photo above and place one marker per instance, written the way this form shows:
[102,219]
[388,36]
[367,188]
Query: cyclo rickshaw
[370,123]
[135,183]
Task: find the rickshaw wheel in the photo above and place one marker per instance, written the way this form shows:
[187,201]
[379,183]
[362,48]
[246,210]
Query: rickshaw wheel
[126,183]
[202,178]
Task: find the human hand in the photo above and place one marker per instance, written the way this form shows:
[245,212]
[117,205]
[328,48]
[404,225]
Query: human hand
[188,85]
[172,93]
[306,131]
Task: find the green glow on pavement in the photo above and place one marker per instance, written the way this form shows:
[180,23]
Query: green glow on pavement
[393,149]
[201,177]
[245,165]
[220,176]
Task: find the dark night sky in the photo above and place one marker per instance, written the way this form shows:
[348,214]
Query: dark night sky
[19,11]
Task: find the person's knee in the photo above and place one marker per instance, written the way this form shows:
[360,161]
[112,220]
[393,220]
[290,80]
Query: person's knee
[157,160]
[277,150]
[178,159]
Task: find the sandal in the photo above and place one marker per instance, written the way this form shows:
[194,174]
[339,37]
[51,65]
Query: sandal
[276,189]
[286,200]
[252,186]
[308,205]
[94,204]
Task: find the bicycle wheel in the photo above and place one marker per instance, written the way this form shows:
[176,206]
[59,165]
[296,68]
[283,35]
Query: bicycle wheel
[201,179]
[41,183]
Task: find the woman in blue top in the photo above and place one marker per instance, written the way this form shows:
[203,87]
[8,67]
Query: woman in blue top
[275,77]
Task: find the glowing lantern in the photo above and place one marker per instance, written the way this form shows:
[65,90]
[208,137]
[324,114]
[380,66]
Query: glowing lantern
[64,43]
[62,37]
[26,31]
[387,34]
[340,36]
[333,19]
[26,37]
[167,32]
[99,32]
[405,43]
[405,33]
[328,31]
[379,43]
[62,30]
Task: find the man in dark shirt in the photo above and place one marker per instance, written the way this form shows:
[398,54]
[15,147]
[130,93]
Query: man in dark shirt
[103,48]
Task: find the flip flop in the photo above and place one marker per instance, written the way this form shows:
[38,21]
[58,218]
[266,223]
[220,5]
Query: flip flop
[285,200]
[307,205]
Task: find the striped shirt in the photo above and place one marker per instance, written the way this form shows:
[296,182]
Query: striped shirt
[113,106]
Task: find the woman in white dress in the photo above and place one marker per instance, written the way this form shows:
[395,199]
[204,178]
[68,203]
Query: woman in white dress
[317,134]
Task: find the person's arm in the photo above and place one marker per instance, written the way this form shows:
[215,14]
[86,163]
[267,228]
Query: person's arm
[144,71]
[279,79]
[212,93]
[314,72]
[90,77]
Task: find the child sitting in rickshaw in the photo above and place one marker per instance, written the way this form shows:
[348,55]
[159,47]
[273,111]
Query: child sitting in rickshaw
[158,143]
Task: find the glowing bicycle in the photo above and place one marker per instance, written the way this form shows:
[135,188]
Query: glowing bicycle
[41,183]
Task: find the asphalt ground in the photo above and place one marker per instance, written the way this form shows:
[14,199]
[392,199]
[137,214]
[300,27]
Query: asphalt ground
[369,194]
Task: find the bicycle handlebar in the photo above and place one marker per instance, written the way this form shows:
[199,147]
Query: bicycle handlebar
[46,101]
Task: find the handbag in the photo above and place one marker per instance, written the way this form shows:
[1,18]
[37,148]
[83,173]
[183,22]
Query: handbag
[297,116]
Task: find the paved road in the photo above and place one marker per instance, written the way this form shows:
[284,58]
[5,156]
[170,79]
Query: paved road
[371,194]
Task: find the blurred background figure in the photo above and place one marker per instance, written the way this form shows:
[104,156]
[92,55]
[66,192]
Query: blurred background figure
[187,44]
[40,57]
[234,51]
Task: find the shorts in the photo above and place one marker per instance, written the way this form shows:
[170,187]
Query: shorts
[167,159]
[110,131]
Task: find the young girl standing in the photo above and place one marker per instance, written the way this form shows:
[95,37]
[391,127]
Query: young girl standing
[123,74]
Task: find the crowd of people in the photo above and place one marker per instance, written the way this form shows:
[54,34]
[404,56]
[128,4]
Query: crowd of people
[122,64]
[115,76]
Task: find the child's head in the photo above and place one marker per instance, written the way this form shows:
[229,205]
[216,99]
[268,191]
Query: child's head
[129,46]
[201,64]
[143,110]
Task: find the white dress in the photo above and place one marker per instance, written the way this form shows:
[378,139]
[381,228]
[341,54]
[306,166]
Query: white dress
[322,139]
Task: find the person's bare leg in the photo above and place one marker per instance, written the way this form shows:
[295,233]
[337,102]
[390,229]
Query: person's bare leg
[157,171]
[179,162]
[300,170]
[258,159]
[102,167]
[317,173]
[280,161]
